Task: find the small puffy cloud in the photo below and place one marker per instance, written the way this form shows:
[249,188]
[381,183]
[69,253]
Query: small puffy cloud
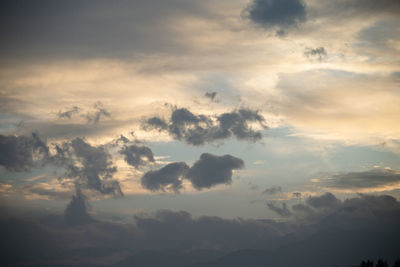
[209,171]
[276,14]
[211,95]
[137,155]
[317,53]
[168,177]
[272,190]
[200,129]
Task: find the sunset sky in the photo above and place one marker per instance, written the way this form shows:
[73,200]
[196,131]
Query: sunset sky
[236,109]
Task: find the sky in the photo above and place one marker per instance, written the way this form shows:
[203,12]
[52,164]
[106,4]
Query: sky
[261,117]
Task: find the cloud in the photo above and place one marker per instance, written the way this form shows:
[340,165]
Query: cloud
[272,190]
[168,177]
[17,152]
[314,101]
[314,208]
[76,212]
[169,229]
[281,14]
[94,171]
[356,229]
[200,129]
[155,123]
[327,200]
[297,194]
[211,95]
[68,113]
[282,211]
[136,155]
[211,170]
[117,31]
[100,111]
[371,179]
[318,53]
[359,226]
[364,6]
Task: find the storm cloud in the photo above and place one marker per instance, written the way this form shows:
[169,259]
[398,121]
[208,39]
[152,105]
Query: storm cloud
[200,129]
[209,171]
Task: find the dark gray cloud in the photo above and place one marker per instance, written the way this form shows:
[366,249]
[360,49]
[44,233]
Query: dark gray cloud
[17,152]
[93,168]
[89,167]
[361,180]
[360,227]
[209,171]
[137,155]
[68,113]
[77,210]
[327,200]
[272,190]
[282,211]
[168,177]
[318,53]
[276,14]
[168,229]
[314,207]
[155,123]
[200,129]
